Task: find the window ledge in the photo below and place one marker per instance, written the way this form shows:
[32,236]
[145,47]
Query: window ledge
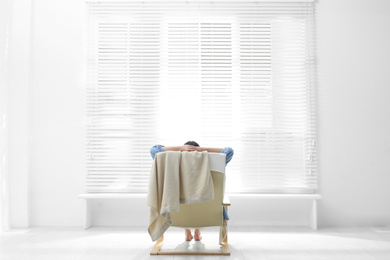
[112,195]
[230,195]
[275,196]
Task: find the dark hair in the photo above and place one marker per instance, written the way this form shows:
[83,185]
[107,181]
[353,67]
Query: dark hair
[192,143]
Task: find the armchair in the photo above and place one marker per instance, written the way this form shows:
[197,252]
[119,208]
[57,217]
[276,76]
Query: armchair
[204,214]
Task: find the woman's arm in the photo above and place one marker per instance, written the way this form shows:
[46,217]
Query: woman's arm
[210,150]
[229,154]
[158,148]
[181,148]
[227,150]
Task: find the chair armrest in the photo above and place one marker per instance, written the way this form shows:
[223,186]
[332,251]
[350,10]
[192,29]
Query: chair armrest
[226,201]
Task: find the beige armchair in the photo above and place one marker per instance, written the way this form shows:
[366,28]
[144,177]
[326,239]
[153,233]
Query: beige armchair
[204,214]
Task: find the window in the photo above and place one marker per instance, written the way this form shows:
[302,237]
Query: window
[238,74]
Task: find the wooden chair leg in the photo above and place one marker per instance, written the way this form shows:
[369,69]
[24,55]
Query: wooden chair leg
[225,249]
[225,244]
[157,246]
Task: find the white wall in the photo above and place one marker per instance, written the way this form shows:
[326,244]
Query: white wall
[19,92]
[353,113]
[58,111]
[5,7]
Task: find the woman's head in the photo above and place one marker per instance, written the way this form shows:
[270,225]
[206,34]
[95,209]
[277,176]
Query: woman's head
[192,143]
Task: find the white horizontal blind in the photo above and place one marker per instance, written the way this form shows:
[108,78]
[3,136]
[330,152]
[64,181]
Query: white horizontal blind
[237,74]
[123,96]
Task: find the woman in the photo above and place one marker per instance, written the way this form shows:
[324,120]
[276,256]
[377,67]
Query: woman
[191,146]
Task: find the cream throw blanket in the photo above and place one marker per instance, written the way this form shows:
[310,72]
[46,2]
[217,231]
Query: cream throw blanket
[176,177]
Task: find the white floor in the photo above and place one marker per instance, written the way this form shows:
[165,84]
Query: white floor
[245,243]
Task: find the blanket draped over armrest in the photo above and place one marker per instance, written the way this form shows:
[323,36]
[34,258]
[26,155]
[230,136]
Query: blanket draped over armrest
[176,177]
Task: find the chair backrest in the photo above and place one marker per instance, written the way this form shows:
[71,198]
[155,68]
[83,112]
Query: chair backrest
[208,213]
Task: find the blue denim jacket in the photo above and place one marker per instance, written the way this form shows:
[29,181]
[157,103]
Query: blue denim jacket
[227,150]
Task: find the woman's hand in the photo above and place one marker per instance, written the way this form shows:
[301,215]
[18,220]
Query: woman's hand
[200,149]
[188,148]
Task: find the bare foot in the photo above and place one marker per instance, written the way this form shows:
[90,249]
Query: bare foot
[188,235]
[197,235]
